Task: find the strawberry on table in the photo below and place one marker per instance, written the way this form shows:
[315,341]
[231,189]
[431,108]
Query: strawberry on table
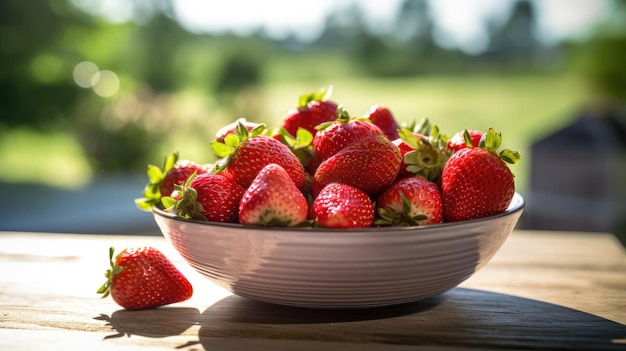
[207,196]
[273,200]
[313,109]
[476,182]
[244,153]
[162,180]
[382,117]
[410,201]
[342,206]
[143,278]
[370,165]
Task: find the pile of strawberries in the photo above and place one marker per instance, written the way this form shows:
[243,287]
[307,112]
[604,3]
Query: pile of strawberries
[327,168]
[323,168]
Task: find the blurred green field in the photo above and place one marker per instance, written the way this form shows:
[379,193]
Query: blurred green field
[522,108]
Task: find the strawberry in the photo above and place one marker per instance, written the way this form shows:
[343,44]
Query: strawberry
[476,182]
[144,278]
[273,200]
[313,109]
[459,141]
[382,117]
[410,201]
[230,128]
[370,165]
[163,180]
[342,206]
[244,153]
[334,136]
[210,197]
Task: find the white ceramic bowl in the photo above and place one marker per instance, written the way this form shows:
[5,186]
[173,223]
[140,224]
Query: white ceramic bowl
[339,269]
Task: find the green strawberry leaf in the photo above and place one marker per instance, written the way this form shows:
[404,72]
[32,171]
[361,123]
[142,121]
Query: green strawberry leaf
[221,149]
[304,137]
[155,174]
[409,138]
[490,140]
[509,156]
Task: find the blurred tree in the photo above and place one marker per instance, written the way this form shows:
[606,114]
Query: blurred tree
[515,39]
[602,58]
[35,74]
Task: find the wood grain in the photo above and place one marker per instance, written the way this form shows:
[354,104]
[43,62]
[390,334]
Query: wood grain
[543,290]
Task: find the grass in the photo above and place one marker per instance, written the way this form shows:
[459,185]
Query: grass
[522,108]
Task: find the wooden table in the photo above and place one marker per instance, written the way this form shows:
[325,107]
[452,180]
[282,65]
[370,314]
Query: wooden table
[543,290]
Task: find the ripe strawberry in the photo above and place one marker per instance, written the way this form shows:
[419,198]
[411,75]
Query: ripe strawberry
[207,196]
[370,165]
[144,278]
[273,200]
[313,109]
[460,140]
[410,201]
[334,136]
[230,128]
[244,154]
[476,182]
[163,180]
[342,206]
[382,117]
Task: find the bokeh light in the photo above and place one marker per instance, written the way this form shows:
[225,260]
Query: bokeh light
[105,83]
[84,73]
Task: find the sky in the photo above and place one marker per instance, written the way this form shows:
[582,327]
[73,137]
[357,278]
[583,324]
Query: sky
[460,22]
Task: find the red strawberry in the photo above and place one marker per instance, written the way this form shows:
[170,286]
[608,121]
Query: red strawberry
[244,154]
[410,201]
[459,140]
[370,165]
[342,206]
[476,182]
[382,117]
[334,136]
[230,128]
[163,180]
[273,200]
[208,196]
[313,109]
[144,278]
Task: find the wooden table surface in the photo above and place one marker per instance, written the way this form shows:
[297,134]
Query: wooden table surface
[543,290]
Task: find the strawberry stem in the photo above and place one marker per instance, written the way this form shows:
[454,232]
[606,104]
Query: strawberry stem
[105,289]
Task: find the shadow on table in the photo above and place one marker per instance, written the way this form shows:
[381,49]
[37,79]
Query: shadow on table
[460,318]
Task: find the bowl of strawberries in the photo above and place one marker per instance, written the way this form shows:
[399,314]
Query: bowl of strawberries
[335,211]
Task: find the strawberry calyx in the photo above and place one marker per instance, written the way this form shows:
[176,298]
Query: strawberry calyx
[343,116]
[105,289]
[321,95]
[185,203]
[492,141]
[152,193]
[429,154]
[224,150]
[405,217]
[301,144]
